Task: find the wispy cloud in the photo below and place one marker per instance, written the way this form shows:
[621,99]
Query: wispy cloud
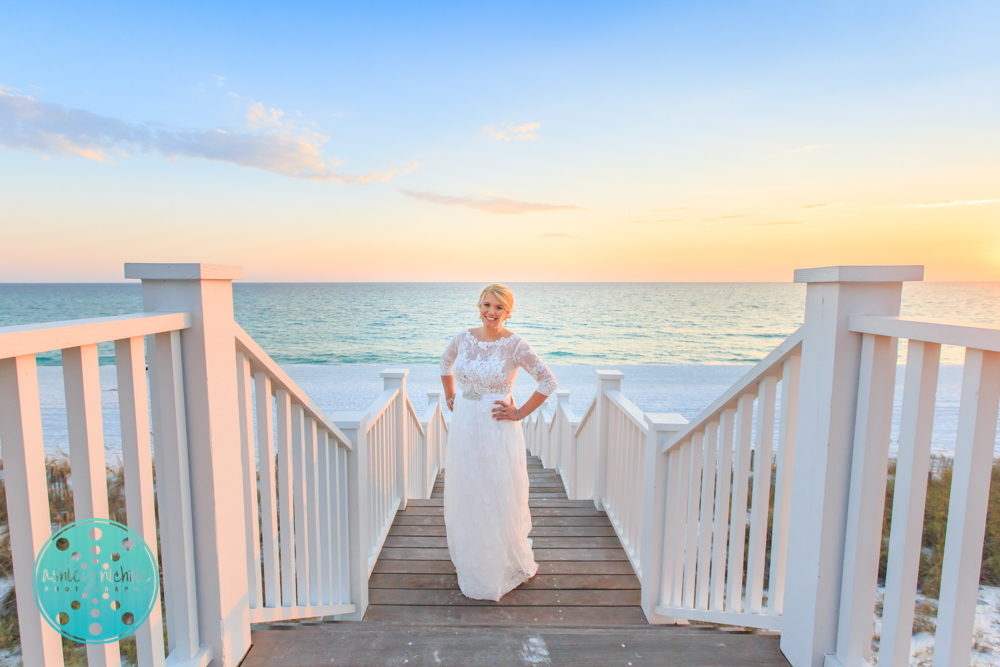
[730,217]
[967,202]
[776,224]
[646,222]
[490,205]
[512,131]
[559,235]
[670,210]
[803,149]
[269,141]
[813,206]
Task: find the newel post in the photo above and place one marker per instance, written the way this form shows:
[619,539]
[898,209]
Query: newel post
[661,429]
[561,430]
[355,427]
[208,351]
[828,395]
[395,378]
[606,381]
[434,398]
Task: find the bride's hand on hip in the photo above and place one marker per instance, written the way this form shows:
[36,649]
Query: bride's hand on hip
[503,410]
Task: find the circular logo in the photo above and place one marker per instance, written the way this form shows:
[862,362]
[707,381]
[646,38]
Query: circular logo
[96,581]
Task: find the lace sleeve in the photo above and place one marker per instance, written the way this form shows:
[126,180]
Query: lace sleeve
[526,358]
[450,353]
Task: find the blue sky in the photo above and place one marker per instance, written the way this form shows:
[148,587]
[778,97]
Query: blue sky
[564,141]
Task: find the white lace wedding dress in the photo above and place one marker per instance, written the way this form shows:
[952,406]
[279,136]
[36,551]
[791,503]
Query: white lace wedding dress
[486,476]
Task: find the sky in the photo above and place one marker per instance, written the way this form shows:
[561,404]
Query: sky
[559,141]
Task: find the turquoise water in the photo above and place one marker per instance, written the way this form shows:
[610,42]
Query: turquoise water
[568,323]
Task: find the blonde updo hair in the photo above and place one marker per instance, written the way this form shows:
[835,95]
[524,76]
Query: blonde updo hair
[501,292]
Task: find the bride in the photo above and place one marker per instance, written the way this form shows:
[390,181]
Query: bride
[486,476]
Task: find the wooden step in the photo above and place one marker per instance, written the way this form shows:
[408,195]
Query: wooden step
[418,581]
[559,520]
[536,531]
[417,553]
[561,542]
[622,567]
[605,597]
[411,640]
[507,615]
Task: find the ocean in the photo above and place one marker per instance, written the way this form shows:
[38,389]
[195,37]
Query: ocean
[679,344]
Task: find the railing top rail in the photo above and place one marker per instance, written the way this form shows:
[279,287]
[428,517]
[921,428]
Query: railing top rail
[33,338]
[261,361]
[769,365]
[929,331]
[413,413]
[634,414]
[586,413]
[381,404]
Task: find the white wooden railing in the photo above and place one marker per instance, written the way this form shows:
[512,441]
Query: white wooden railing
[310,499]
[301,532]
[25,479]
[970,485]
[700,497]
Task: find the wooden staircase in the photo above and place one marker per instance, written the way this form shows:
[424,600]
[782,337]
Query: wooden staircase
[581,608]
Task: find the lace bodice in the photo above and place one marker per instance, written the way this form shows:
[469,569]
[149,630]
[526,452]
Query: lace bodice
[490,368]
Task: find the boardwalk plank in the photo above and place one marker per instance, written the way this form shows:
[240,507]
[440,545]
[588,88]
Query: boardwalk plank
[416,553]
[498,615]
[621,567]
[561,542]
[610,597]
[539,581]
[536,531]
[373,643]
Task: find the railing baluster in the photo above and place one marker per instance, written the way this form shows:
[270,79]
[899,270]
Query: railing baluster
[705,529]
[761,494]
[300,519]
[691,540]
[738,512]
[866,498]
[268,492]
[783,483]
[324,520]
[910,492]
[670,518]
[720,524]
[311,478]
[173,493]
[635,492]
[27,501]
[249,463]
[286,511]
[86,453]
[343,550]
[970,487]
[133,407]
[680,533]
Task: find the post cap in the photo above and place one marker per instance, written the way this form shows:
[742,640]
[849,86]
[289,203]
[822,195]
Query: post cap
[431,394]
[610,375]
[670,422]
[350,420]
[562,392]
[395,373]
[183,271]
[860,274]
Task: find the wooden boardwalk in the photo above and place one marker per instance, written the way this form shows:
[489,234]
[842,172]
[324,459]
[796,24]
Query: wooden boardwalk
[584,577]
[581,608]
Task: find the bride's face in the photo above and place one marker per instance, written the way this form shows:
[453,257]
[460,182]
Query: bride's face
[492,313]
